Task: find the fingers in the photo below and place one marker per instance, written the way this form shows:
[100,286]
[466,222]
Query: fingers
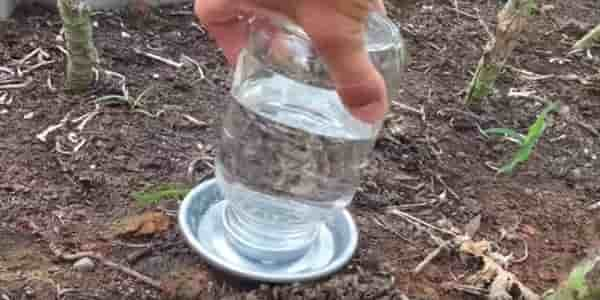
[224,20]
[339,38]
[377,5]
[335,26]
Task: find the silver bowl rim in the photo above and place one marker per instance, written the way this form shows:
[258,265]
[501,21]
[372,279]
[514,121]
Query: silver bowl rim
[214,260]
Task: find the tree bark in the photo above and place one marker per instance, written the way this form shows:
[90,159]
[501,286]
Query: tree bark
[83,56]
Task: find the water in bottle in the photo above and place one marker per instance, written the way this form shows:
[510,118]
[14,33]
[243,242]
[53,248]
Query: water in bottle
[290,153]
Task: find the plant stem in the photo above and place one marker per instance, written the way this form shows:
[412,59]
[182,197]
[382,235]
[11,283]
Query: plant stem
[589,39]
[512,21]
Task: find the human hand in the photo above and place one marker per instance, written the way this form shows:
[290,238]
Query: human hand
[336,27]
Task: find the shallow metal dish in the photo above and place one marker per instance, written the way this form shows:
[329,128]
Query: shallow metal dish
[199,219]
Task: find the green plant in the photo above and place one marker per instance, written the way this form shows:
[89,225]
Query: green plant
[512,21]
[526,142]
[581,284]
[161,192]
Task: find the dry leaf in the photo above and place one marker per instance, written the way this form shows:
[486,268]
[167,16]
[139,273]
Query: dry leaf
[478,249]
[144,224]
[501,282]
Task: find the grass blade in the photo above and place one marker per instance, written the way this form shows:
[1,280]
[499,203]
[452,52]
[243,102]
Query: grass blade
[581,283]
[160,193]
[533,135]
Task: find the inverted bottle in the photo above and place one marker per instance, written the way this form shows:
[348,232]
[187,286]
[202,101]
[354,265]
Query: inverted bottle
[290,153]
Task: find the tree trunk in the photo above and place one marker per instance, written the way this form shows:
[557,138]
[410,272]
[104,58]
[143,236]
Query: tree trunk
[589,39]
[83,56]
[512,21]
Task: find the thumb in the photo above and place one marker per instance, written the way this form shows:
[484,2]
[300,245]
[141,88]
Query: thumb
[339,38]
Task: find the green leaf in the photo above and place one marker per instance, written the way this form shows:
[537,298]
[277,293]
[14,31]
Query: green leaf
[533,135]
[160,193]
[576,281]
[576,287]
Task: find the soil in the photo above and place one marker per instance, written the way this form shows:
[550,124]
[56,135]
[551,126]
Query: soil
[439,160]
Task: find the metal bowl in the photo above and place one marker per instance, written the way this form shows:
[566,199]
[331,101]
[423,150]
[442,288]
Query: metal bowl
[200,220]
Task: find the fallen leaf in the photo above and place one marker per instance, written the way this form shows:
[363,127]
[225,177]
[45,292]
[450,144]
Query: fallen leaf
[476,248]
[500,281]
[145,224]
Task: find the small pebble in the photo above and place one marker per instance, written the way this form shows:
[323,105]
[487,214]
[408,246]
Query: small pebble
[155,76]
[125,34]
[84,265]
[53,269]
[547,7]
[3,111]
[28,116]
[564,110]
[576,174]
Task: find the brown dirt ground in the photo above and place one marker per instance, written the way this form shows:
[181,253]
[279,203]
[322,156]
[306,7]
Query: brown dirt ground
[73,200]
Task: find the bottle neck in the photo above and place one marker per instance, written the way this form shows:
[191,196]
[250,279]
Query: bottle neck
[281,45]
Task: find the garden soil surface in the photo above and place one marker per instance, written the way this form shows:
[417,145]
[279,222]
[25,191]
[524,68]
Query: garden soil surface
[57,198]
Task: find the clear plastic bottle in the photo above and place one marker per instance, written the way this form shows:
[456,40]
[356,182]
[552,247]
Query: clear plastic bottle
[290,153]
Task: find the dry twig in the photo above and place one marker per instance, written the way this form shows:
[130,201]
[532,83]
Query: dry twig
[44,134]
[588,127]
[385,226]
[167,61]
[461,12]
[78,144]
[405,107]
[419,222]
[38,65]
[502,281]
[108,263]
[430,257]
[194,120]
[594,206]
[15,86]
[31,54]
[85,119]
[195,63]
